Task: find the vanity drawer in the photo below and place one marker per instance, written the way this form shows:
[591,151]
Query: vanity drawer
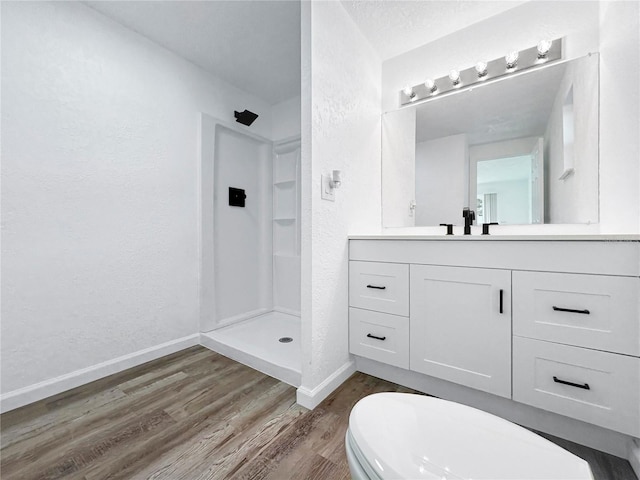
[593,311]
[383,287]
[379,336]
[598,387]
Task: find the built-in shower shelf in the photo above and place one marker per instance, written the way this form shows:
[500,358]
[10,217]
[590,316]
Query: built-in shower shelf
[285,255]
[284,183]
[286,227]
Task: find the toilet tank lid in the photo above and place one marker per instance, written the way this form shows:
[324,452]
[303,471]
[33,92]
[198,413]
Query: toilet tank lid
[419,437]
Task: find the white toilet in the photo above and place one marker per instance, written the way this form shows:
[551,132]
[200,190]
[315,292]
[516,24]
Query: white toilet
[408,436]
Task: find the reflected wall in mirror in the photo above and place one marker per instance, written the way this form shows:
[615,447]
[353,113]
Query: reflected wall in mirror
[520,150]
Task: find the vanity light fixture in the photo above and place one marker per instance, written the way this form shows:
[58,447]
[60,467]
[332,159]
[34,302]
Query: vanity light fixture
[481,69]
[483,72]
[431,86]
[543,48]
[511,59]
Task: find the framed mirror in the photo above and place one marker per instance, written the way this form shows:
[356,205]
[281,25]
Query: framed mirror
[522,149]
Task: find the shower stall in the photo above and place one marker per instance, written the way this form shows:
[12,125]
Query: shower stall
[250,249]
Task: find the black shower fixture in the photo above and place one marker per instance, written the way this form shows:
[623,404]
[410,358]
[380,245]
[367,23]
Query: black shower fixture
[246,117]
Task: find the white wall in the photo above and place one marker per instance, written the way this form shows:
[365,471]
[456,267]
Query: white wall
[620,116]
[441,185]
[286,119]
[99,190]
[399,166]
[610,27]
[341,98]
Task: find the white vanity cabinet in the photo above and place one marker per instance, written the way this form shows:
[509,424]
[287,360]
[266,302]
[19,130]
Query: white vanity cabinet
[379,311]
[592,311]
[576,346]
[541,323]
[460,326]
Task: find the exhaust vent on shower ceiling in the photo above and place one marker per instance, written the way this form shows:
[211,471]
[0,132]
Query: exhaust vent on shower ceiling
[246,117]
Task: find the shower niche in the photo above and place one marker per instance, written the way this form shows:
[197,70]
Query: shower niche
[250,245]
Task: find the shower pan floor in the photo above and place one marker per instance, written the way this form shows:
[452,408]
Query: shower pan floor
[255,342]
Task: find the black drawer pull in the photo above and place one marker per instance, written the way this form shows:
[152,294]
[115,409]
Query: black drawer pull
[571,384]
[501,300]
[377,338]
[376,287]
[571,310]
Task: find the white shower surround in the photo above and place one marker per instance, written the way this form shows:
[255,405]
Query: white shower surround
[252,259]
[242,236]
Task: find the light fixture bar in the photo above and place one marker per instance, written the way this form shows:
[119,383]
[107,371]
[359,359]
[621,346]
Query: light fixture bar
[526,59]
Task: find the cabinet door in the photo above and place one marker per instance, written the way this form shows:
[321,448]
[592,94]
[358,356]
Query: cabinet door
[460,326]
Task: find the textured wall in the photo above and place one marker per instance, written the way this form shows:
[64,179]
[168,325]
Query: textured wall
[620,116]
[99,189]
[399,165]
[345,127]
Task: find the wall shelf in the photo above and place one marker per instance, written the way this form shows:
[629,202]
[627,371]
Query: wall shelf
[285,255]
[284,183]
[286,227]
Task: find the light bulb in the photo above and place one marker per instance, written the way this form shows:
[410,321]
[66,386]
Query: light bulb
[543,48]
[512,59]
[454,76]
[408,91]
[431,85]
[481,69]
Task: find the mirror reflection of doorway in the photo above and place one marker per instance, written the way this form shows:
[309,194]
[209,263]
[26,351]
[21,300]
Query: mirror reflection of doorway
[509,189]
[490,208]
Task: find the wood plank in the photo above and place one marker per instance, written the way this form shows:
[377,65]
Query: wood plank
[198,415]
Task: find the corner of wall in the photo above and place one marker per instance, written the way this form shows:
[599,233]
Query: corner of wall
[311,398]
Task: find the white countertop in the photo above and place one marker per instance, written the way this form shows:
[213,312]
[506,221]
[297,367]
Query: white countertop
[478,237]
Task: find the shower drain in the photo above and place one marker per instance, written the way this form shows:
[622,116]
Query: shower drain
[285,340]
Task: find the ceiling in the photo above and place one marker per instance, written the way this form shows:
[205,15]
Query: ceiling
[397,26]
[254,45]
[515,107]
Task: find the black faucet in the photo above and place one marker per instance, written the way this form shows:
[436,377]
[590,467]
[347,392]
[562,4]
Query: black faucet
[469,217]
[449,227]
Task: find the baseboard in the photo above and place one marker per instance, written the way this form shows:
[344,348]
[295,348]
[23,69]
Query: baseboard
[312,398]
[39,391]
[634,456]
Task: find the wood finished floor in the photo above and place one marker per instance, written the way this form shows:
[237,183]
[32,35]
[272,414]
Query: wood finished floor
[197,415]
